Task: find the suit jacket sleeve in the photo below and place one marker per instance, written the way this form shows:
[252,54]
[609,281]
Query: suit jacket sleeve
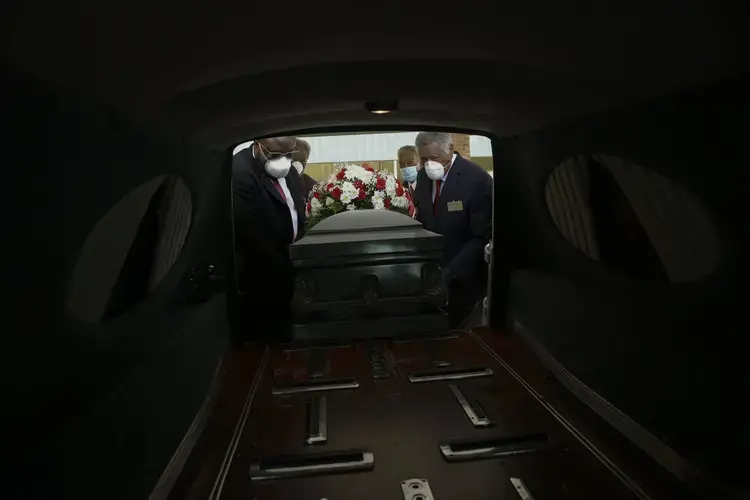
[248,220]
[464,264]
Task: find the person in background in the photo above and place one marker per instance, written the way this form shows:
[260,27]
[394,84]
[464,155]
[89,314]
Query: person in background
[269,215]
[453,197]
[299,161]
[408,162]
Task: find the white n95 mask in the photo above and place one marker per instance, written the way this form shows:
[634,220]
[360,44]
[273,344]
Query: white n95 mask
[279,167]
[434,170]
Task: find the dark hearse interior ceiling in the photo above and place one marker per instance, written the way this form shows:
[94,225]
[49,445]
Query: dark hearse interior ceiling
[229,72]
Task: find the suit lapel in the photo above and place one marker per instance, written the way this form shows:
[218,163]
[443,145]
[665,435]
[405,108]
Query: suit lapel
[450,188]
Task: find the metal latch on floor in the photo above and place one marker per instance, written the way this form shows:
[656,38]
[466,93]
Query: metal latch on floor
[416,489]
[521,489]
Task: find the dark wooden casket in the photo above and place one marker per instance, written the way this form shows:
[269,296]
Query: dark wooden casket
[368,274]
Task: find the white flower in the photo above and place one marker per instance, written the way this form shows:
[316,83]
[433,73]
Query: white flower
[348,192]
[378,194]
[377,203]
[330,201]
[315,205]
[400,201]
[357,172]
[351,207]
[390,186]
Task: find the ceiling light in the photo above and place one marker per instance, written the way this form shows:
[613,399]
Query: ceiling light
[381,107]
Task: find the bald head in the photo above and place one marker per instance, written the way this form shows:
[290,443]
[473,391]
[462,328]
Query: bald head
[408,156]
[282,145]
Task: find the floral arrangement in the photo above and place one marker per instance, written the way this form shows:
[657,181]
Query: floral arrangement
[357,187]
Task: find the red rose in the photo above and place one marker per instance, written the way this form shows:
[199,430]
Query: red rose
[380,184]
[341,174]
[362,194]
[366,165]
[336,193]
[329,187]
[400,190]
[359,184]
[309,206]
[387,203]
[316,196]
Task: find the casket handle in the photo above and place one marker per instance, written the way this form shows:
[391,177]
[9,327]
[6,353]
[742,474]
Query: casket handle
[304,295]
[370,288]
[433,284]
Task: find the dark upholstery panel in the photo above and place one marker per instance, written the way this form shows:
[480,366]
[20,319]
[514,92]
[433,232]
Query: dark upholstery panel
[96,409]
[668,355]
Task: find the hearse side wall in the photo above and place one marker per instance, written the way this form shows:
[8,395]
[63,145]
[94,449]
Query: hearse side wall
[668,356]
[96,411]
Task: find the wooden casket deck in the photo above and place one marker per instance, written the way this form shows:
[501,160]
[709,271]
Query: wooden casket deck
[381,420]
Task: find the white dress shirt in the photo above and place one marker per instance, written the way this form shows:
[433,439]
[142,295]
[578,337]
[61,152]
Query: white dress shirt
[291,205]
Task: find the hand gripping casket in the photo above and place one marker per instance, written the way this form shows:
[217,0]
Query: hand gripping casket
[368,274]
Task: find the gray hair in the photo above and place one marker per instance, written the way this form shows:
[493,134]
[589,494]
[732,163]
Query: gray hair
[427,138]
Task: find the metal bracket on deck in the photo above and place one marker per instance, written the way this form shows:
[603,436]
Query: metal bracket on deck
[314,385]
[462,450]
[416,489]
[474,412]
[312,464]
[451,374]
[523,492]
[317,426]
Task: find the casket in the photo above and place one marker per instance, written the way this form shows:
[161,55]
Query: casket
[368,274]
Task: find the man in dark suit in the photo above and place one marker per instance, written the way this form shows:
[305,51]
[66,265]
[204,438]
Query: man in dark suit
[300,162]
[453,197]
[269,215]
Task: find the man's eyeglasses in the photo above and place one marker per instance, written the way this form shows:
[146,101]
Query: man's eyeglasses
[275,155]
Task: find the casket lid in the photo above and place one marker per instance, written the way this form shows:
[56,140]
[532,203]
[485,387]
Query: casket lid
[365,232]
[358,221]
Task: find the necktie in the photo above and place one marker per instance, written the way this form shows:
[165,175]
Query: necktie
[279,189]
[437,196]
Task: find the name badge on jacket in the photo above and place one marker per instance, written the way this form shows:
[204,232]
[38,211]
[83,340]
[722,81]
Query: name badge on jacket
[455,206]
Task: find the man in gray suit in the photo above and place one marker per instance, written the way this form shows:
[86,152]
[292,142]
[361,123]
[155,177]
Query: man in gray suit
[454,198]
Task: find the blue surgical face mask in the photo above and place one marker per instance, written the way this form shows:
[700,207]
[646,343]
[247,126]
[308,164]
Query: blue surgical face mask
[409,174]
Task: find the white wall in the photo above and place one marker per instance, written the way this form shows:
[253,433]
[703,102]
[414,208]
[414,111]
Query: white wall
[364,147]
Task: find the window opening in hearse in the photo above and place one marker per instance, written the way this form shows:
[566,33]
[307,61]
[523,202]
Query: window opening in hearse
[362,232]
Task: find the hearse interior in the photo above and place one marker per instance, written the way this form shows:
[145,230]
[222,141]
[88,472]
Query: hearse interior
[607,363]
